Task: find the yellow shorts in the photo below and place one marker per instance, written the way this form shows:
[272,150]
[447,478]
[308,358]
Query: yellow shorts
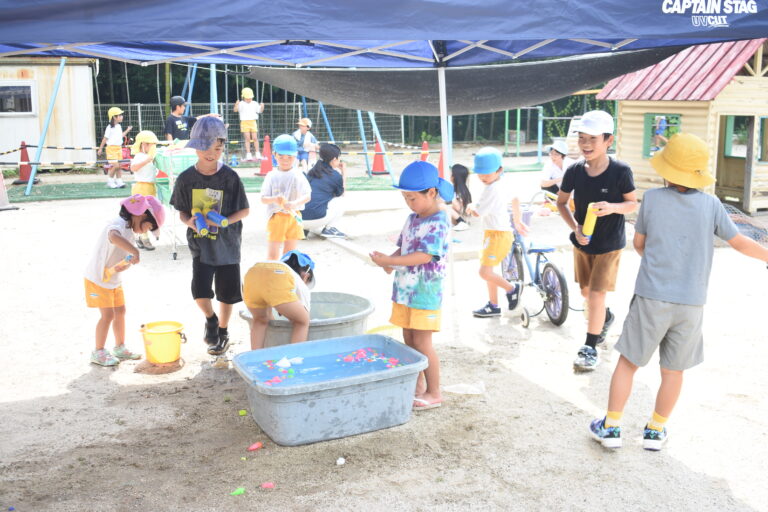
[496,246]
[419,319]
[284,226]
[114,152]
[144,188]
[268,285]
[249,126]
[98,297]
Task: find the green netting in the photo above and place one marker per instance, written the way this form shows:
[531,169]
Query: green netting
[98,189]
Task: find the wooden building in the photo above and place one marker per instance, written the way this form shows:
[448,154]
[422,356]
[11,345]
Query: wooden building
[716,91]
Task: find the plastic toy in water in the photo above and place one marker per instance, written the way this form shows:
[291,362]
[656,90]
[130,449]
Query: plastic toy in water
[121,265]
[200,224]
[589,221]
[214,216]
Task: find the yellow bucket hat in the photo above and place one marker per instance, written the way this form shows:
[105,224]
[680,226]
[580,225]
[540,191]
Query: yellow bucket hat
[141,137]
[247,93]
[114,111]
[683,161]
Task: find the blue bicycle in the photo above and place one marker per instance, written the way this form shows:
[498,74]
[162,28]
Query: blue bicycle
[545,277]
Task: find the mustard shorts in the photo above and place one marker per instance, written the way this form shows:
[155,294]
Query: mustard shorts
[284,226]
[268,285]
[99,297]
[419,319]
[114,152]
[144,188]
[496,246]
[249,126]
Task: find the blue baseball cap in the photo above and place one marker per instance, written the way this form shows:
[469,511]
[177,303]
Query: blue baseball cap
[418,176]
[285,145]
[304,262]
[205,132]
[487,160]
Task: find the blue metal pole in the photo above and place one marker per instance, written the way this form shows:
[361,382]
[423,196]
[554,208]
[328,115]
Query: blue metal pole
[448,159]
[214,91]
[47,123]
[365,142]
[327,123]
[191,90]
[375,127]
[540,131]
[304,106]
[186,83]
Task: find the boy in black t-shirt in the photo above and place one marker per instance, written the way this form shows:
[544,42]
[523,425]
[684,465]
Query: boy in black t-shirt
[211,186]
[608,183]
[177,125]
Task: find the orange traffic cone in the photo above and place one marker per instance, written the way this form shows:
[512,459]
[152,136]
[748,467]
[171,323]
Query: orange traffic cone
[378,161]
[424,151]
[266,162]
[25,170]
[440,165]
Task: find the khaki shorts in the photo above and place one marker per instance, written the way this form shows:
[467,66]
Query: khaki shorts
[598,272]
[144,188]
[419,319]
[99,297]
[674,328]
[114,152]
[268,285]
[284,226]
[496,246]
[249,126]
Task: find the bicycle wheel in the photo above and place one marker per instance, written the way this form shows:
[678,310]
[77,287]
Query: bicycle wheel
[556,294]
[512,265]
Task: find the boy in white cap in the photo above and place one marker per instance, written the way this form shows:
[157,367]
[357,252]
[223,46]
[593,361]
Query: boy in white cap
[211,185]
[667,310]
[249,112]
[554,169]
[607,183]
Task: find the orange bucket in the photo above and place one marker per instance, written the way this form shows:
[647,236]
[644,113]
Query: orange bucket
[162,341]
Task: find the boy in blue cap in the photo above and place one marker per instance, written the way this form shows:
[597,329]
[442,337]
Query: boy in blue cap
[497,236]
[285,191]
[419,265]
[212,185]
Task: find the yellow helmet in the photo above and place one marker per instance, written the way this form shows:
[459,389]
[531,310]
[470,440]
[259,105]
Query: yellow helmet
[114,111]
[247,93]
[142,137]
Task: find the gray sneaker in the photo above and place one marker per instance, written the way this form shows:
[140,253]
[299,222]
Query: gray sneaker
[586,359]
[332,233]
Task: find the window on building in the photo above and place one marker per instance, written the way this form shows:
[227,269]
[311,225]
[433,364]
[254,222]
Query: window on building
[762,140]
[16,98]
[657,129]
[736,136]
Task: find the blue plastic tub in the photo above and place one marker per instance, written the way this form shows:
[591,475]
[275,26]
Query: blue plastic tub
[343,386]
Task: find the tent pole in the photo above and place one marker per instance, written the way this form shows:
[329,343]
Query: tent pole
[365,143]
[517,132]
[214,94]
[540,132]
[41,142]
[506,132]
[444,136]
[191,90]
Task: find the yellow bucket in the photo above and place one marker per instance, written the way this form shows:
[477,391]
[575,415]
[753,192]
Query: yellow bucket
[162,341]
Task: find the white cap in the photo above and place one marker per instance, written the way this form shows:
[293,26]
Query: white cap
[596,122]
[560,146]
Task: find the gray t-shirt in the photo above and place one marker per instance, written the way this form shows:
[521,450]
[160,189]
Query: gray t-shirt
[679,228]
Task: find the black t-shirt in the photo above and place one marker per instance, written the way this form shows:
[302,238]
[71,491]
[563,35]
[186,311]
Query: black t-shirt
[225,192]
[324,188]
[179,126]
[609,186]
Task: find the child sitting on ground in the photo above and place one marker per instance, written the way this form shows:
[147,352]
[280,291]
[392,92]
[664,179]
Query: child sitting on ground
[667,310]
[493,207]
[283,285]
[144,172]
[285,191]
[419,264]
[103,283]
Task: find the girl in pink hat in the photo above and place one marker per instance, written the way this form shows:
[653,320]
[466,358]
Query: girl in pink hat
[114,253]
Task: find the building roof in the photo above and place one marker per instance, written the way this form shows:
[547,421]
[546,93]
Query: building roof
[697,73]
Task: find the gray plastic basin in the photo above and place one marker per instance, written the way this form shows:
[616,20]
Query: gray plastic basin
[331,315]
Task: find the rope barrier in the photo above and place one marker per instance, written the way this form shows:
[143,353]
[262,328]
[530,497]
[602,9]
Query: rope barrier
[93,162]
[358,153]
[10,151]
[83,148]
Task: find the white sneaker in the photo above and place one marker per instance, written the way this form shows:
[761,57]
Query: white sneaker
[248,157]
[119,183]
[258,156]
[111,183]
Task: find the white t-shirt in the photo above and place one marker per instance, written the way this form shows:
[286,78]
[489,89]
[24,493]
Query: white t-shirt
[493,205]
[553,172]
[309,141]
[106,254]
[248,111]
[114,135]
[291,185]
[147,173]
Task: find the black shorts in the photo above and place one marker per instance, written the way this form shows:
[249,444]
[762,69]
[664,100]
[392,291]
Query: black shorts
[227,280]
[552,188]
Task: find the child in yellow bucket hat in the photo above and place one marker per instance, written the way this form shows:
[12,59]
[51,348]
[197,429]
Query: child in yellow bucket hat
[113,138]
[667,309]
[144,171]
[249,111]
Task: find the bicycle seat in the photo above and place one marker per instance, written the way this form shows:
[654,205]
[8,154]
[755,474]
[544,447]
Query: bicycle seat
[535,250]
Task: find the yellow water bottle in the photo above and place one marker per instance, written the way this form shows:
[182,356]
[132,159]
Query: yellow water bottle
[589,221]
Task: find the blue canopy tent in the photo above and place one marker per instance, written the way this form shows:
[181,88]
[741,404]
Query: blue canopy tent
[396,34]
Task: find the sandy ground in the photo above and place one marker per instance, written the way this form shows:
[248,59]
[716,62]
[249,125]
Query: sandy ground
[77,437]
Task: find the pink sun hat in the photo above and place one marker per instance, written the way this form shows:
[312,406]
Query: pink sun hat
[138,204]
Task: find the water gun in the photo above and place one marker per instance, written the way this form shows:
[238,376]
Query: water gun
[214,216]
[120,265]
[200,224]
[589,221]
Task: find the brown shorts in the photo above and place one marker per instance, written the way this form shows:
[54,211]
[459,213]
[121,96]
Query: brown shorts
[596,271]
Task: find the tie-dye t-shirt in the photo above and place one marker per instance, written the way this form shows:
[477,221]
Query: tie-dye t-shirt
[421,286]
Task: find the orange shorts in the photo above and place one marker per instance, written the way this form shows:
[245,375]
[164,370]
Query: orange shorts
[144,188]
[268,285]
[496,246]
[284,226]
[596,271]
[99,297]
[419,319]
